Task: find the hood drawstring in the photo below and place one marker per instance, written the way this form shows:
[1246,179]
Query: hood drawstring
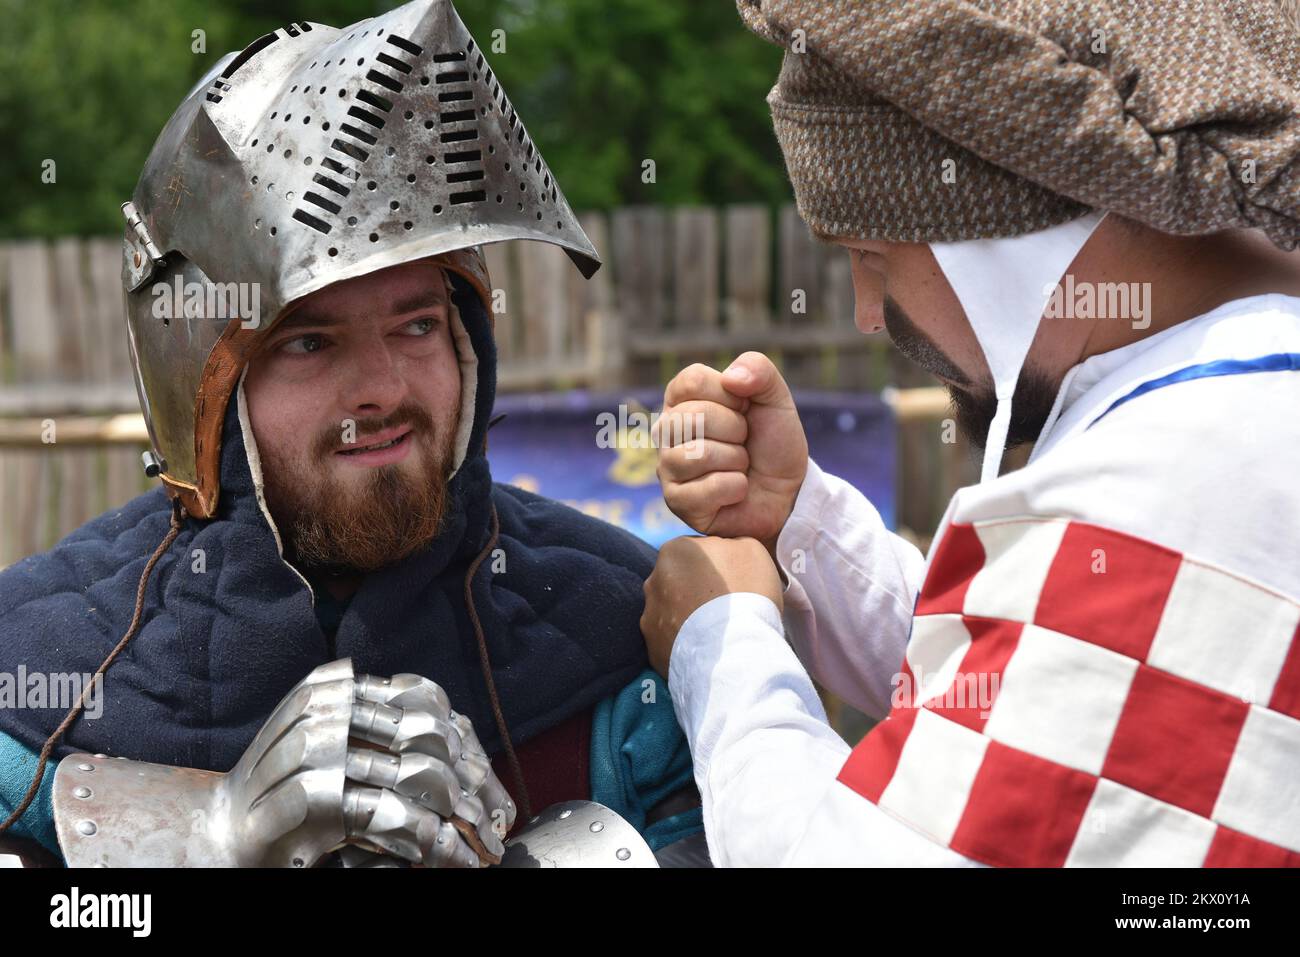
[177,519]
[516,769]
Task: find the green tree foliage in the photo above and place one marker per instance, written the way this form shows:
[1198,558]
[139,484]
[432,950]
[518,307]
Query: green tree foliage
[603,85]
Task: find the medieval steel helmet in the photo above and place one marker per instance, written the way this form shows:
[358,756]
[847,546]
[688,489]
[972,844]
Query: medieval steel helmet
[312,156]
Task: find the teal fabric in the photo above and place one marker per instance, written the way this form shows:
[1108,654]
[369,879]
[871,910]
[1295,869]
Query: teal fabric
[17,768]
[639,756]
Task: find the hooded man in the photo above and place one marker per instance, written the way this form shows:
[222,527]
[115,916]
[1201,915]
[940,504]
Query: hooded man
[327,511]
[1075,215]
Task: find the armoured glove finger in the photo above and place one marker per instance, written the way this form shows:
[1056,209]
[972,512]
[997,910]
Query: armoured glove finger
[378,817]
[411,692]
[399,730]
[474,770]
[424,779]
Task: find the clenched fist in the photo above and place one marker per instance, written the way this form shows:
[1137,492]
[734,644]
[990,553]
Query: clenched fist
[732,451]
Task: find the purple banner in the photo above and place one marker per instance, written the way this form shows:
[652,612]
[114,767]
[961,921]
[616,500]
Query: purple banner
[592,451]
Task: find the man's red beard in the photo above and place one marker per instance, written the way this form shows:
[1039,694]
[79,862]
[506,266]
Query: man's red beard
[392,512]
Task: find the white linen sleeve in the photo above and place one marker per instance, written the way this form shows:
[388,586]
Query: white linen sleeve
[852,586]
[766,761]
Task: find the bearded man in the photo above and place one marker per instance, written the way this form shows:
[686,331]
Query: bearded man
[327,512]
[1079,216]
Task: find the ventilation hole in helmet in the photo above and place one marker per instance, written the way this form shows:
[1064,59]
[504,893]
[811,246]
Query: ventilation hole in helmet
[408,225]
[410,178]
[325,125]
[352,220]
[424,81]
[317,200]
[408,115]
[356,152]
[254,143]
[394,205]
[431,160]
[368,138]
[499,198]
[456,76]
[333,251]
[361,60]
[343,93]
[330,184]
[338,167]
[383,80]
[294,88]
[468,156]
[457,56]
[539,215]
[306,161]
[273,113]
[404,44]
[274,230]
[288,154]
[466,177]
[372,185]
[288,117]
[492,149]
[395,63]
[308,219]
[367,117]
[437,209]
[459,136]
[507,167]
[250,51]
[476,196]
[253,180]
[374,237]
[375,100]
[390,151]
[455,95]
[306,120]
[457,116]
[428,124]
[270,147]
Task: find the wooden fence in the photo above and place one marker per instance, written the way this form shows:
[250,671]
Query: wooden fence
[678,286]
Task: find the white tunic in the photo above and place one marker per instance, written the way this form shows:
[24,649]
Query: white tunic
[1103,665]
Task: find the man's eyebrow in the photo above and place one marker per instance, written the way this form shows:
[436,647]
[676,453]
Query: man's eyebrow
[306,317]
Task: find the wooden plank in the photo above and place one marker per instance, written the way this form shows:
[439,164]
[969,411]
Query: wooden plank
[696,262]
[125,479]
[594,325]
[35,327]
[748,243]
[542,303]
[641,273]
[6,319]
[29,433]
[112,357]
[501,270]
[799,262]
[74,324]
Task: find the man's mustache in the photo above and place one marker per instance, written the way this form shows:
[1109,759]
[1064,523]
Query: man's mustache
[420,421]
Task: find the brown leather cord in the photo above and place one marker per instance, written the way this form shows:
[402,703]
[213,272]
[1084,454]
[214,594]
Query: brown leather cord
[516,768]
[178,515]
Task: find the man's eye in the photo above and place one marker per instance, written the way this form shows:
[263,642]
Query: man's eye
[420,327]
[304,345]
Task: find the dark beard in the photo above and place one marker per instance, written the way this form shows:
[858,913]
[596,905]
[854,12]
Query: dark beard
[974,407]
[1030,406]
[327,527]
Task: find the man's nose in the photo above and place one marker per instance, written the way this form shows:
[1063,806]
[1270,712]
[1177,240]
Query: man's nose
[868,296]
[375,384]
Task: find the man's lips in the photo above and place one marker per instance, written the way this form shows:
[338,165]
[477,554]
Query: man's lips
[382,448]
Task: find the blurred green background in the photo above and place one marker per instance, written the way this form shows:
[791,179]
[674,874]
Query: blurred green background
[601,84]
